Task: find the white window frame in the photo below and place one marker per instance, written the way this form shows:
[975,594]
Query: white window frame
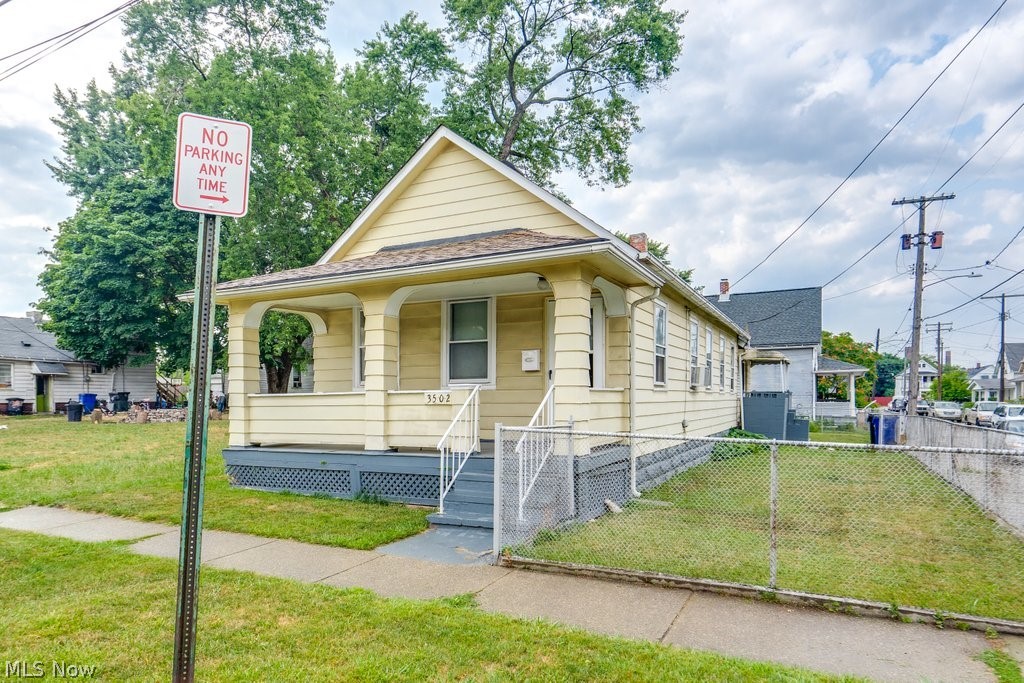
[358,348]
[709,343]
[492,343]
[10,375]
[694,350]
[598,322]
[660,350]
[732,367]
[721,361]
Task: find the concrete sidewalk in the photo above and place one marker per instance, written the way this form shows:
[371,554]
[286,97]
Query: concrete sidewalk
[860,646]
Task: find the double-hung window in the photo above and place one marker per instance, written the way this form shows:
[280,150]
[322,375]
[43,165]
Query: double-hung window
[6,375]
[732,367]
[721,361]
[470,346]
[709,341]
[660,343]
[359,333]
[694,352]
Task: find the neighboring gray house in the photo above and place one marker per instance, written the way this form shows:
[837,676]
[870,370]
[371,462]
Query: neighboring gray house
[785,347]
[34,369]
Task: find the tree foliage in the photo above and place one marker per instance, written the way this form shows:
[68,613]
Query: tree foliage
[843,347]
[549,84]
[954,385]
[887,367]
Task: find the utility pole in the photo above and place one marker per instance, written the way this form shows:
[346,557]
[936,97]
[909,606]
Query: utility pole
[919,240]
[938,329]
[1002,340]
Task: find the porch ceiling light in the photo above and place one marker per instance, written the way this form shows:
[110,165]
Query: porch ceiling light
[543,284]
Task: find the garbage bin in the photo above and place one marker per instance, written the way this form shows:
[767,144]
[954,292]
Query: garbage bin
[873,421]
[119,401]
[88,402]
[15,406]
[74,409]
[888,429]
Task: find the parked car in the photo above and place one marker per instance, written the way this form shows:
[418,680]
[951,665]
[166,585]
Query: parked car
[980,414]
[922,407]
[1014,424]
[946,410]
[1004,411]
[898,405]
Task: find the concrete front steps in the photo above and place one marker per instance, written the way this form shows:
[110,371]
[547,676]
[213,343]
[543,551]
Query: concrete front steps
[471,500]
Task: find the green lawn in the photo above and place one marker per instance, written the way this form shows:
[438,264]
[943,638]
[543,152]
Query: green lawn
[842,436]
[101,605]
[136,471]
[851,523]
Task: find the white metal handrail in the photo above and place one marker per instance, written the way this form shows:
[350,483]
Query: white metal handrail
[533,449]
[460,440]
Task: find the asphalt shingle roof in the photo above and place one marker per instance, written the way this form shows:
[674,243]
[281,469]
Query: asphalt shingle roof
[785,317]
[1014,355]
[418,254]
[826,364]
[21,339]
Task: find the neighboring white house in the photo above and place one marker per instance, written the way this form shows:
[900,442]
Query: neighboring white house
[926,374]
[34,369]
[984,380]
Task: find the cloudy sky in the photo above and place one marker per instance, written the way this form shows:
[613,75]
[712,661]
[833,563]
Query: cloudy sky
[772,106]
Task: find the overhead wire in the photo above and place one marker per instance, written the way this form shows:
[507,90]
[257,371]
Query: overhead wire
[62,40]
[875,147]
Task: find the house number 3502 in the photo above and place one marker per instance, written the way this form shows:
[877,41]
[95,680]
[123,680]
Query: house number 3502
[439,398]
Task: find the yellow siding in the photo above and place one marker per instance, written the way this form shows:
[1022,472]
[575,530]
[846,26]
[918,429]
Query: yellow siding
[307,419]
[456,194]
[706,410]
[419,332]
[520,325]
[333,353]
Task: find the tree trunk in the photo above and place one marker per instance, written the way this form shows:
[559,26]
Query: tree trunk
[279,376]
[510,134]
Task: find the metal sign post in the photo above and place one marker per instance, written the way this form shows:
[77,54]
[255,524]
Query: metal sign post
[195,449]
[211,176]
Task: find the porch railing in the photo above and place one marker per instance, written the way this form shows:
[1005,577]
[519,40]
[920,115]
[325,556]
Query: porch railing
[461,440]
[534,448]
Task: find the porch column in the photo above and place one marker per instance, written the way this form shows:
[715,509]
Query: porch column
[333,353]
[571,287]
[381,369]
[243,369]
[851,392]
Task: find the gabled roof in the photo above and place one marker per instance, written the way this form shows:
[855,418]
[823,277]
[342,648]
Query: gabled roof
[983,384]
[1014,355]
[423,156]
[828,366]
[776,319]
[433,252]
[21,339]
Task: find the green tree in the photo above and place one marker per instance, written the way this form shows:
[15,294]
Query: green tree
[550,81]
[843,347]
[117,267]
[954,385]
[886,368]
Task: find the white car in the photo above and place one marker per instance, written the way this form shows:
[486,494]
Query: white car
[947,410]
[1003,412]
[980,413]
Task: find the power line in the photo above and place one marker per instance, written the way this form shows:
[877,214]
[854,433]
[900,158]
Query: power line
[973,299]
[876,146]
[64,39]
[988,140]
[839,296]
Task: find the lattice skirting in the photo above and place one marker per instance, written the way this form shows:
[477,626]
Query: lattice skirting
[405,480]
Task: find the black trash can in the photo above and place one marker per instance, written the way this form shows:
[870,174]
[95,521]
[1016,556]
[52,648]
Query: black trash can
[119,401]
[74,409]
[15,406]
[874,428]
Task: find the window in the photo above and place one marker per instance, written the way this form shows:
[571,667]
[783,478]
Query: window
[359,333]
[296,378]
[660,343]
[470,348]
[732,367]
[721,361]
[709,342]
[694,352]
[6,375]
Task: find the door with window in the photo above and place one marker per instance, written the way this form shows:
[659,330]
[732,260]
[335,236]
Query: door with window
[42,393]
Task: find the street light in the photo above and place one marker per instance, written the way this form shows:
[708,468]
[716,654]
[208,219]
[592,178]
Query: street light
[951,277]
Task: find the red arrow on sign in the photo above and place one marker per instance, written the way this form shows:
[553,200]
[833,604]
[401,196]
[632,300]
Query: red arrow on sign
[220,199]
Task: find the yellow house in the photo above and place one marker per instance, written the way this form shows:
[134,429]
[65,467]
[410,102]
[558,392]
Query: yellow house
[462,297]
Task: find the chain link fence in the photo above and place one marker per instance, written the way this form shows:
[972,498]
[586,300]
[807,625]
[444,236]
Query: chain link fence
[935,528]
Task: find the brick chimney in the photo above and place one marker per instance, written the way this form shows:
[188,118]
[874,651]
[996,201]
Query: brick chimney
[639,242]
[723,289]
